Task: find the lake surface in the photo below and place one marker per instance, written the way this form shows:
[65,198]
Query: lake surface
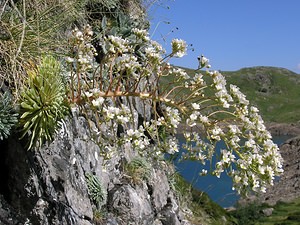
[219,189]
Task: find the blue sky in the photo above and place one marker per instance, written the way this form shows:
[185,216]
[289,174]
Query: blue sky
[232,33]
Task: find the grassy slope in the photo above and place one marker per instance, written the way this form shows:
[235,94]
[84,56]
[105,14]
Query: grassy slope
[275,91]
[284,213]
[204,210]
[277,97]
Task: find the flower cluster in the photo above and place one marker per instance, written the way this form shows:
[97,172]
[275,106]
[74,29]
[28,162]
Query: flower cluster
[203,62]
[133,72]
[137,139]
[154,52]
[255,157]
[117,44]
[180,74]
[172,117]
[179,48]
[85,51]
[141,34]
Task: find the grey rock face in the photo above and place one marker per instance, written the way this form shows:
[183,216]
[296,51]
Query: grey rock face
[48,186]
[8,215]
[268,211]
[132,205]
[161,189]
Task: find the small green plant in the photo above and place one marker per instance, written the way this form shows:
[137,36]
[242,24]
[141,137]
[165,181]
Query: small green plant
[248,214]
[181,187]
[138,169]
[43,102]
[96,191]
[98,216]
[8,118]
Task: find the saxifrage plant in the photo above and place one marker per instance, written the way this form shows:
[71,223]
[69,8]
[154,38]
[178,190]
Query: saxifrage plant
[135,69]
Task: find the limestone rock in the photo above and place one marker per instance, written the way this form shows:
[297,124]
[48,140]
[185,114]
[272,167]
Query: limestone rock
[268,211]
[131,205]
[48,186]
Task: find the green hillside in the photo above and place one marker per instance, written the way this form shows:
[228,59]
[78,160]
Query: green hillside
[275,91]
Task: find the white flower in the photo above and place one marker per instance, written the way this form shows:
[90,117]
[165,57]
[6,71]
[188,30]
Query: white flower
[70,60]
[250,143]
[111,112]
[237,179]
[98,102]
[263,189]
[198,79]
[242,164]
[190,123]
[215,133]
[196,106]
[79,35]
[235,92]
[178,72]
[173,116]
[73,161]
[203,172]
[204,119]
[130,132]
[139,144]
[118,44]
[261,169]
[233,129]
[143,34]
[96,155]
[88,94]
[137,31]
[193,116]
[203,62]
[254,109]
[173,146]
[122,119]
[227,156]
[153,54]
[179,47]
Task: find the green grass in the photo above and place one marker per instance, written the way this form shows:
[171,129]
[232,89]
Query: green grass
[204,210]
[277,100]
[248,214]
[283,214]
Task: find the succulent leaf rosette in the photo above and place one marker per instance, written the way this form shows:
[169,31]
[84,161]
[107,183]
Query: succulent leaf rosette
[43,102]
[8,117]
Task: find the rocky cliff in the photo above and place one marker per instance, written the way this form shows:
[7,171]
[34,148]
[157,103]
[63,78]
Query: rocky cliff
[50,186]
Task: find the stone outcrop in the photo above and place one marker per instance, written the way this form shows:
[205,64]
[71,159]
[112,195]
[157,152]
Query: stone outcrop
[48,186]
[278,129]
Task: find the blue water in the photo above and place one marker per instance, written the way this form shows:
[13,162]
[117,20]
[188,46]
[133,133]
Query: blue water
[219,189]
